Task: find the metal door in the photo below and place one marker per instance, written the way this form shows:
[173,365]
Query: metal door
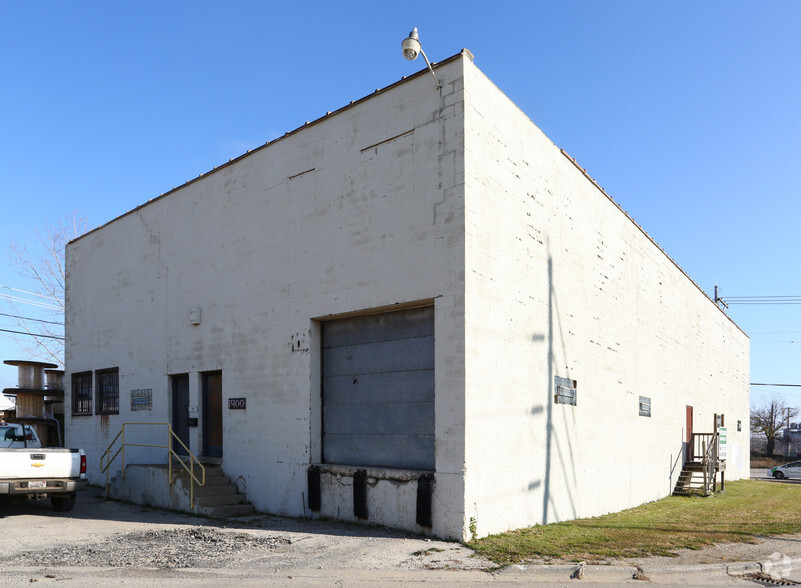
[180,411]
[378,390]
[212,415]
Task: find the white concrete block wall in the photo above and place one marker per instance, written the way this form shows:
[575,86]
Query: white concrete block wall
[360,210]
[452,198]
[559,282]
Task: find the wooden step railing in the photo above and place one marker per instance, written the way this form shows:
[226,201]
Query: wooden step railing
[699,444]
[711,451]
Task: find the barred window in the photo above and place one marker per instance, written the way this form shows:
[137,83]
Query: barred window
[108,391]
[82,393]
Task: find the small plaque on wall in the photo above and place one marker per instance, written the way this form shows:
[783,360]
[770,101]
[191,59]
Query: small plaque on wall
[142,399]
[237,403]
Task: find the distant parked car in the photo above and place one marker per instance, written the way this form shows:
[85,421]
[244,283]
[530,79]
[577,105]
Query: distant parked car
[788,470]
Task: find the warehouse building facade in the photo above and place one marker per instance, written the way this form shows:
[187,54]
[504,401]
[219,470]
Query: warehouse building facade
[415,311]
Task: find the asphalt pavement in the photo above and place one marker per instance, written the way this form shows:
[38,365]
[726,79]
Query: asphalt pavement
[104,542]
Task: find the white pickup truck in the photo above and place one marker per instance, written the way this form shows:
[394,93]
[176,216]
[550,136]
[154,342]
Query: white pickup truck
[29,470]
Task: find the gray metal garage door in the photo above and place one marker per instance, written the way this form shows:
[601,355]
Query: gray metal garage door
[378,390]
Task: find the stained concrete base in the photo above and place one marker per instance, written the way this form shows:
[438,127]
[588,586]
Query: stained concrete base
[149,484]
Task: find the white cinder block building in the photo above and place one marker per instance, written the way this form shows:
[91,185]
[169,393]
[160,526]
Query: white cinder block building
[415,311]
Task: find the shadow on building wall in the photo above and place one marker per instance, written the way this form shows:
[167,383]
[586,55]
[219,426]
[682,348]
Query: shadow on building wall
[558,445]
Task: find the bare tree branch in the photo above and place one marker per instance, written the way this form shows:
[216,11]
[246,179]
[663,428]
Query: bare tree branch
[45,275]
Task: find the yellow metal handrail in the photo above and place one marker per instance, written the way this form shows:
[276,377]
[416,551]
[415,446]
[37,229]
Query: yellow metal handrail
[107,458]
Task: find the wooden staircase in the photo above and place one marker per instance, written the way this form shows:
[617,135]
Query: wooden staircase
[691,480]
[699,473]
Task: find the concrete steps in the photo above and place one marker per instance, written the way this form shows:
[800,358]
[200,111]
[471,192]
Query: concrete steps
[218,490]
[218,497]
[148,484]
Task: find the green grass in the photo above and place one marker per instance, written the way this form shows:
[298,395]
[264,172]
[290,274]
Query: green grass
[746,510]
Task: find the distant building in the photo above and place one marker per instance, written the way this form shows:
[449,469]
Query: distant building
[6,405]
[786,443]
[415,311]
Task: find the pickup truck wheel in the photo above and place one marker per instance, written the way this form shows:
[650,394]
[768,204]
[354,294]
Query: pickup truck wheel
[62,503]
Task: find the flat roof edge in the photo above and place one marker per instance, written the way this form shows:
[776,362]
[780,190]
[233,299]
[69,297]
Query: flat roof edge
[651,239]
[307,124]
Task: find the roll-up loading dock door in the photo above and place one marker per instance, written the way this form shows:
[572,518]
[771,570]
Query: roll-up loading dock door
[378,390]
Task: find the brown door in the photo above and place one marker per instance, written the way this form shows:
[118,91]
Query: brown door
[212,415]
[690,443]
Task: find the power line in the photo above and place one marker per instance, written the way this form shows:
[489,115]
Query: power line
[762,299]
[763,303]
[770,300]
[27,318]
[31,293]
[32,334]
[787,385]
[36,303]
[793,395]
[774,332]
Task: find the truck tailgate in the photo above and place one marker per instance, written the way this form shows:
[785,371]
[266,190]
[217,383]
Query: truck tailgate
[40,463]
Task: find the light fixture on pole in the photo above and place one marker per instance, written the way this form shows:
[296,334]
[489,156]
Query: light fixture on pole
[411,48]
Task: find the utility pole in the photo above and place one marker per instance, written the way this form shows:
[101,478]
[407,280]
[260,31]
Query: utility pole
[718,300]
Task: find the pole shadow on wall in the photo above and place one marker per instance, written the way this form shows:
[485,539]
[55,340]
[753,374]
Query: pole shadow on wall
[556,447]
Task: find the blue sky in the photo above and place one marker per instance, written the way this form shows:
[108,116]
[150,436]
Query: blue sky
[687,113]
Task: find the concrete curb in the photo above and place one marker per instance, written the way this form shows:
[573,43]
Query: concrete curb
[695,571]
[623,573]
[744,567]
[541,572]
[522,575]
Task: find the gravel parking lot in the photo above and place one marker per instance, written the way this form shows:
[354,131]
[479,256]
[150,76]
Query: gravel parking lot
[105,542]
[142,541]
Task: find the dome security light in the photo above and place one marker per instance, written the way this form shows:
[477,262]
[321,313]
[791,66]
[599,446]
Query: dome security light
[411,48]
[411,45]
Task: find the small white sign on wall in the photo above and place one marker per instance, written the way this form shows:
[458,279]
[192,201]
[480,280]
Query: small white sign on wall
[142,399]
